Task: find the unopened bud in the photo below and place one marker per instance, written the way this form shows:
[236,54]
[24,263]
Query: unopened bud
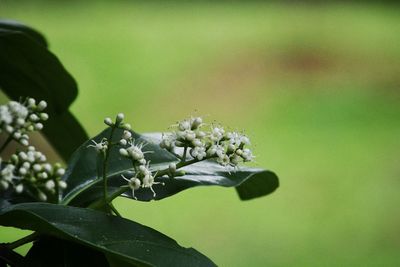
[123,152]
[42,105]
[120,117]
[108,121]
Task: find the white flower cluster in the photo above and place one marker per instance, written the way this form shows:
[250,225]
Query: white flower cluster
[18,119]
[31,173]
[142,177]
[228,148]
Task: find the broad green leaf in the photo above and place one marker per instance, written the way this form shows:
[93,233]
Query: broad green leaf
[82,173]
[123,239]
[28,68]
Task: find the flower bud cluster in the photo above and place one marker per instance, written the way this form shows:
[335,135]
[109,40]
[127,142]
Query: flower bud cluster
[29,172]
[228,148]
[18,119]
[143,177]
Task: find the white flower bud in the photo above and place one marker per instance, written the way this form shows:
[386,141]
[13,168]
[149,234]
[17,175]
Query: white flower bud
[26,165]
[200,134]
[197,142]
[20,121]
[62,184]
[17,135]
[33,117]
[42,105]
[22,155]
[50,185]
[120,117]
[31,102]
[184,125]
[126,126]
[123,142]
[43,175]
[37,167]
[38,126]
[142,161]
[123,152]
[47,167]
[44,116]
[9,129]
[172,167]
[22,171]
[3,185]
[197,122]
[60,172]
[126,134]
[19,188]
[24,142]
[190,136]
[108,121]
[42,196]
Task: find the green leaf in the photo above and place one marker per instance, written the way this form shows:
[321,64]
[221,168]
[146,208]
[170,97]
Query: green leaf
[82,173]
[28,68]
[125,240]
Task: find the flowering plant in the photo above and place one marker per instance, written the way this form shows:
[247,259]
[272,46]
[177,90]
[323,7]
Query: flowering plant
[71,211]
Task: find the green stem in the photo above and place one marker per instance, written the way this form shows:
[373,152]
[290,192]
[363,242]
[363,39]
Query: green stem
[8,140]
[27,239]
[184,154]
[105,162]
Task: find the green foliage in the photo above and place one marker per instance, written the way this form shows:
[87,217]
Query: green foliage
[83,220]
[115,236]
[28,68]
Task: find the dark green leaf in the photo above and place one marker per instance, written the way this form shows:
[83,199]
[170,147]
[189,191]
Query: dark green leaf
[27,68]
[118,237]
[81,173]
[16,26]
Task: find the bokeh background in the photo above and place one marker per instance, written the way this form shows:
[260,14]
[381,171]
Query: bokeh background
[316,87]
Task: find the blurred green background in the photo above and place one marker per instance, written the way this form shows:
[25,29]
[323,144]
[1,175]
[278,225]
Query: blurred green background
[316,87]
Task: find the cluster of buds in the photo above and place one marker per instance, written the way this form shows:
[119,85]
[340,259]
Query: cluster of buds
[18,119]
[228,148]
[142,177]
[28,171]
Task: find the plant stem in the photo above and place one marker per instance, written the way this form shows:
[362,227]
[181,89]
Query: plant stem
[8,140]
[27,239]
[184,154]
[105,162]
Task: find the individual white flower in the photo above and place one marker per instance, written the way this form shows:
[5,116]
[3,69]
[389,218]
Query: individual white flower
[217,133]
[133,183]
[223,160]
[102,146]
[184,125]
[42,105]
[135,152]
[198,152]
[196,123]
[148,182]
[216,150]
[168,141]
[247,155]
